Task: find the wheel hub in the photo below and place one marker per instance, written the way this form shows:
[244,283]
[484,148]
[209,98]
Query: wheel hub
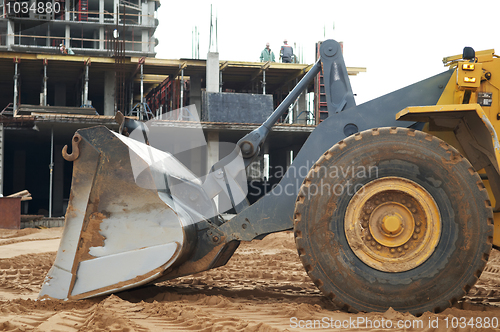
[392,224]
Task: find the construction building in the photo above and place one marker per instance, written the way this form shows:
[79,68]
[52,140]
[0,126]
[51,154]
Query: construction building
[88,27]
[47,95]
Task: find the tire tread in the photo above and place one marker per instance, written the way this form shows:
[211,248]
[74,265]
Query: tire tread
[454,157]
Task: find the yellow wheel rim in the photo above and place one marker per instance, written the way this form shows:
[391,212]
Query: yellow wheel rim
[392,224]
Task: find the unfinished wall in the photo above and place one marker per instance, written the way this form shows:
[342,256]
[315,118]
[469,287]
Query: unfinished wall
[236,107]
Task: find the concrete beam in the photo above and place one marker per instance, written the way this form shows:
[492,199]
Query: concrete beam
[148,78]
[244,127]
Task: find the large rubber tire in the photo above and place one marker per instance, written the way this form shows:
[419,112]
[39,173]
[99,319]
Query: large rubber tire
[461,250]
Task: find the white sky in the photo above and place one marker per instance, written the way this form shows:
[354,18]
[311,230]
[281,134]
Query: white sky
[399,42]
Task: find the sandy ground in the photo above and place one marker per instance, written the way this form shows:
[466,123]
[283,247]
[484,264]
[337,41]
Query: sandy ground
[262,288]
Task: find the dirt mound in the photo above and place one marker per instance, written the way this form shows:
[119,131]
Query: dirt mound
[25,272]
[12,233]
[262,288]
[10,236]
[278,241]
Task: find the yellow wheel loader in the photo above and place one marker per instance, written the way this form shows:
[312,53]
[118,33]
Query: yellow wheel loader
[393,202]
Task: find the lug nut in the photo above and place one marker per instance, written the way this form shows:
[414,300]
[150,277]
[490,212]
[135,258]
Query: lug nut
[403,201]
[379,247]
[415,236]
[418,223]
[369,238]
[377,202]
[393,250]
[414,210]
[408,205]
[417,230]
[399,249]
[373,243]
[405,247]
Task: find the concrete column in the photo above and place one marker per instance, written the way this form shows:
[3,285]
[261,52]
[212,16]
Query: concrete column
[212,154]
[67,36]
[101,11]
[47,40]
[152,21]
[301,117]
[101,38]
[58,186]
[66,11]
[195,93]
[115,8]
[144,19]
[145,41]
[10,34]
[109,93]
[59,94]
[95,35]
[212,149]
[198,160]
[213,72]
[295,151]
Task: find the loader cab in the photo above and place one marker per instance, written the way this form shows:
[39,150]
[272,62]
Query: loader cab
[469,54]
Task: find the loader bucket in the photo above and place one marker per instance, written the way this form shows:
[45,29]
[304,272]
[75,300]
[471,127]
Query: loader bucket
[125,224]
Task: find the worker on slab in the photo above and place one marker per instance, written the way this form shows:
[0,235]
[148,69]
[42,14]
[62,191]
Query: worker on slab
[66,50]
[286,52]
[267,54]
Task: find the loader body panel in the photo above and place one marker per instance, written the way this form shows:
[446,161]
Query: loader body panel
[468,117]
[274,212]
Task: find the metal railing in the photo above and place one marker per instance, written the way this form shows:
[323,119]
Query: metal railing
[75,42]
